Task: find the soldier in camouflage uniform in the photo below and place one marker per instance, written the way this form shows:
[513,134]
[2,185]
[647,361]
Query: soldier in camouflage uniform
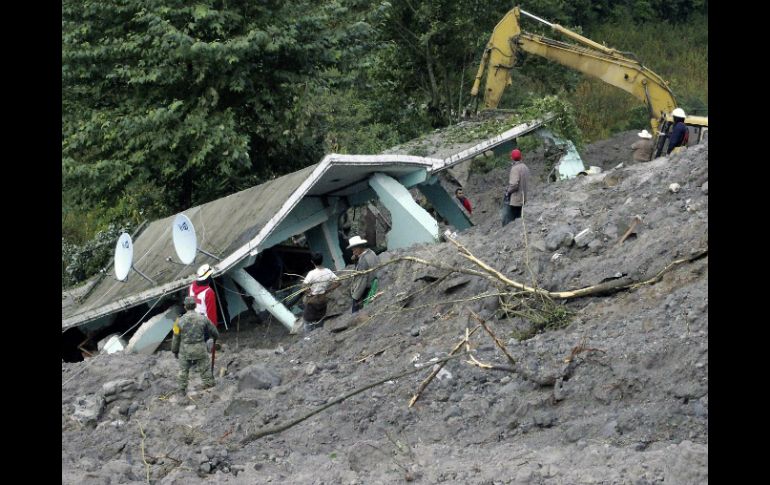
[190,341]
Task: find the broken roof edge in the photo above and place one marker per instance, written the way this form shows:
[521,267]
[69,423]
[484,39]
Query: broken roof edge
[251,246]
[432,165]
[516,131]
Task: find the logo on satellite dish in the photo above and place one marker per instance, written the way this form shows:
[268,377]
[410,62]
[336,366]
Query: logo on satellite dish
[185,240]
[124,259]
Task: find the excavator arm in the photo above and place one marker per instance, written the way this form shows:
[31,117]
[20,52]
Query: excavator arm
[611,66]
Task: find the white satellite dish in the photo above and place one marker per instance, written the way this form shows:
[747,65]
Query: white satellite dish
[185,240]
[124,259]
[124,256]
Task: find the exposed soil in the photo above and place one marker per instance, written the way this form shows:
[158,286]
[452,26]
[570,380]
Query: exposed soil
[615,391]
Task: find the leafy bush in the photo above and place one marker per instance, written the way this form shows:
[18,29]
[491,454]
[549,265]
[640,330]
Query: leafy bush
[81,261]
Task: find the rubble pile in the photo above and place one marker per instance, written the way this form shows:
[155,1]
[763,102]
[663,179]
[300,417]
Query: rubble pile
[610,389]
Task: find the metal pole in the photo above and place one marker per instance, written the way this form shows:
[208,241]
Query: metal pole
[144,275]
[219,304]
[209,254]
[537,18]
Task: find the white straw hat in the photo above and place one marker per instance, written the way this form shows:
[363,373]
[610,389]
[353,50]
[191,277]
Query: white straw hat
[645,134]
[356,241]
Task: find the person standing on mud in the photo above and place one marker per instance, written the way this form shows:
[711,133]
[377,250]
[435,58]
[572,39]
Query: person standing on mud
[364,286]
[321,281]
[190,334]
[203,293]
[643,147]
[516,192]
[463,199]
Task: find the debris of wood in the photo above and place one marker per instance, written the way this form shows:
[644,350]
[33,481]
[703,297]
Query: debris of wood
[437,368]
[634,222]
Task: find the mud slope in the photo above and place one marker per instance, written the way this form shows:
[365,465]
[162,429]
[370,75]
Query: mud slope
[619,395]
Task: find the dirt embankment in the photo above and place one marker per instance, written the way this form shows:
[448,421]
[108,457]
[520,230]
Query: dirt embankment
[618,395]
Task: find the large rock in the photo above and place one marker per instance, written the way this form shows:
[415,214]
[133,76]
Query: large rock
[88,409]
[584,237]
[257,377]
[560,236]
[116,386]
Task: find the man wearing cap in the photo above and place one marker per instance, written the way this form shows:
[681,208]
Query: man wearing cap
[205,299]
[362,284]
[189,345]
[643,147]
[516,192]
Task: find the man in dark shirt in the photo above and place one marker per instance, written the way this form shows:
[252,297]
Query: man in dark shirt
[679,134]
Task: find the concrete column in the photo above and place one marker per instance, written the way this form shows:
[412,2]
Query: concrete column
[445,204]
[411,223]
[263,298]
[151,333]
[324,239]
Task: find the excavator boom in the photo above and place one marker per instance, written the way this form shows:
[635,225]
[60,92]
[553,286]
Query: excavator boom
[611,66]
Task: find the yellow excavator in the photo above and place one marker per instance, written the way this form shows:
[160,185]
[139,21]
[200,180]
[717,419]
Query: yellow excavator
[620,69]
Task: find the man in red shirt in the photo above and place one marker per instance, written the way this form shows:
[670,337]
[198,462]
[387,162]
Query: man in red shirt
[205,299]
[463,199]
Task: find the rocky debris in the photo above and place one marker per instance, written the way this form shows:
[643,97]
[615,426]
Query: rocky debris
[258,377]
[88,409]
[584,237]
[119,389]
[559,236]
[617,392]
[674,188]
[705,188]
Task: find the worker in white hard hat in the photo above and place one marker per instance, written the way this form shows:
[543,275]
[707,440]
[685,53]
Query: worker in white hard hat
[680,135]
[642,147]
[201,290]
[364,286]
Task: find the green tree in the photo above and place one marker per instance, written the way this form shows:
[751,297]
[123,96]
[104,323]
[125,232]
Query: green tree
[167,103]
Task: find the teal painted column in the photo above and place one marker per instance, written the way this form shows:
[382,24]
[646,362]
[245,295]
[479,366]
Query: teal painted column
[263,299]
[570,164]
[235,304]
[445,204]
[411,223]
[324,239]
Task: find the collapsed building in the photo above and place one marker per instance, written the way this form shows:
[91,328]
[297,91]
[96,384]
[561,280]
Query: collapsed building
[244,236]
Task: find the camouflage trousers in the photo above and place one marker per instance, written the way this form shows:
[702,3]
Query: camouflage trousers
[201,366]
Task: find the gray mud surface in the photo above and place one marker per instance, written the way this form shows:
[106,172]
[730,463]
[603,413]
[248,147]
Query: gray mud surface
[618,395]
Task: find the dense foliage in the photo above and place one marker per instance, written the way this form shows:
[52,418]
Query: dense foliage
[167,104]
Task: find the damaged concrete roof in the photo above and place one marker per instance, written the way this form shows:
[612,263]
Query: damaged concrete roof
[234,226]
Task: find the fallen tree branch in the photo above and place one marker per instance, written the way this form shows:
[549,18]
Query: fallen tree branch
[498,342]
[378,352]
[141,448]
[283,427]
[595,290]
[636,220]
[693,257]
[485,366]
[437,368]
